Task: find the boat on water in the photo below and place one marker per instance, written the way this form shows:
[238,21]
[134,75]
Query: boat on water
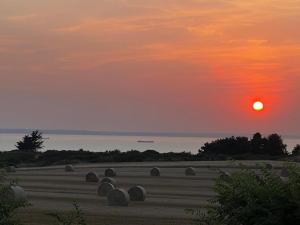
[145,141]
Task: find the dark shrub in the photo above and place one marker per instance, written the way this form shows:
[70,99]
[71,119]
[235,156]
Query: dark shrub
[245,198]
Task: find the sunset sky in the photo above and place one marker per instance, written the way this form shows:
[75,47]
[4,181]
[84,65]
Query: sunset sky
[159,65]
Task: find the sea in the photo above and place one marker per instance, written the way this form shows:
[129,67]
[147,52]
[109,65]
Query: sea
[100,143]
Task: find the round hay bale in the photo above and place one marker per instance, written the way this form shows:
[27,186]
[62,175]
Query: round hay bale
[10,169]
[69,168]
[190,171]
[105,188]
[284,172]
[109,180]
[155,172]
[118,197]
[17,193]
[91,177]
[137,193]
[110,172]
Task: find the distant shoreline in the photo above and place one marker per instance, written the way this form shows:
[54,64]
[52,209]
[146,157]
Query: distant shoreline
[135,133]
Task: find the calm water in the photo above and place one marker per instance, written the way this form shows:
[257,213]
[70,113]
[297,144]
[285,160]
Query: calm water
[123,143]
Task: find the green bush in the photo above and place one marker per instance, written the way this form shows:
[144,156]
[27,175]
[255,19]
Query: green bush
[8,206]
[75,218]
[249,198]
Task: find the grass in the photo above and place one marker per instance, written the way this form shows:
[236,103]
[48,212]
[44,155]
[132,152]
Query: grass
[40,217]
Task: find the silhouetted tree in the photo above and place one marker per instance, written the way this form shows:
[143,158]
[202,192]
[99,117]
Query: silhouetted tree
[150,155]
[227,146]
[275,145]
[258,143]
[272,145]
[296,150]
[32,142]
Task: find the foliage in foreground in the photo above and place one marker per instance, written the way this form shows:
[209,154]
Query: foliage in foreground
[75,218]
[245,198]
[8,205]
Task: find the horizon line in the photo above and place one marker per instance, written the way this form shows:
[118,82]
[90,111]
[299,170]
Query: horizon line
[135,133]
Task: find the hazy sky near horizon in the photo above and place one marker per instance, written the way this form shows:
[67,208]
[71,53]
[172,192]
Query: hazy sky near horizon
[159,65]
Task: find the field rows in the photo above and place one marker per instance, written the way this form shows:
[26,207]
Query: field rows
[54,190]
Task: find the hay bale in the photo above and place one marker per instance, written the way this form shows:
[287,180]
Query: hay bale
[137,193]
[91,177]
[190,171]
[110,172]
[10,169]
[69,168]
[118,197]
[109,180]
[105,188]
[17,193]
[155,172]
[284,172]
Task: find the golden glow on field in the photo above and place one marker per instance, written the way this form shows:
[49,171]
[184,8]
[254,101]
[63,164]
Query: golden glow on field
[258,106]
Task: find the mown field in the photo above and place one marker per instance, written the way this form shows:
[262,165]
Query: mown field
[51,189]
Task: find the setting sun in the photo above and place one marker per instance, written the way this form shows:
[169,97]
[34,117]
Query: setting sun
[258,106]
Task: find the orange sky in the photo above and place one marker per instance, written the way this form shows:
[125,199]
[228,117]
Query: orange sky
[159,65]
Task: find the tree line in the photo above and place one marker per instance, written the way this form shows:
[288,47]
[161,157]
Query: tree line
[257,145]
[239,148]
